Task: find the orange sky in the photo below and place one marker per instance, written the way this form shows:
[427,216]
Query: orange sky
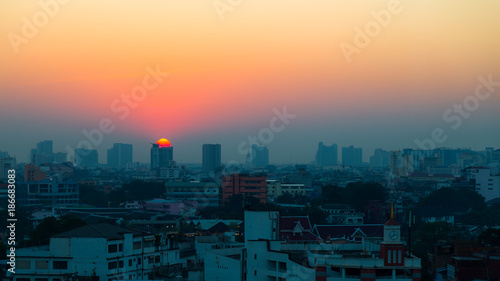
[229,74]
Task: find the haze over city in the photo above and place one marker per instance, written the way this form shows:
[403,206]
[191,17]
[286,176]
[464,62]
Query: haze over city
[226,76]
[238,140]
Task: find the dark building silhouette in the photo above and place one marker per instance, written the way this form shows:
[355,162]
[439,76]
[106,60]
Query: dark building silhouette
[85,158]
[211,157]
[380,158]
[161,154]
[326,155]
[352,156]
[260,156]
[119,155]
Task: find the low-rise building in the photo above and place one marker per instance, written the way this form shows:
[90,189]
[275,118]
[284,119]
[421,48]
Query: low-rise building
[48,193]
[247,185]
[276,188]
[342,214]
[99,252]
[205,194]
[486,183]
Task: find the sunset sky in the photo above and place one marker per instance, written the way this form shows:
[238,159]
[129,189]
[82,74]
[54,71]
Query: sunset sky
[228,72]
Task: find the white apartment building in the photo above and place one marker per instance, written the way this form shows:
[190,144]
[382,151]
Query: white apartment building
[486,184]
[276,188]
[100,252]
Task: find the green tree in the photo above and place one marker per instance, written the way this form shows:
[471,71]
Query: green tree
[288,198]
[51,226]
[457,200]
[333,195]
[136,190]
[427,234]
[488,216]
[490,237]
[24,224]
[359,194]
[91,196]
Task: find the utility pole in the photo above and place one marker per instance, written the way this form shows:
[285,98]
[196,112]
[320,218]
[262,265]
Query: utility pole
[410,220]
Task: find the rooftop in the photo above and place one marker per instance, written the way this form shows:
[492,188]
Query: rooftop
[101,230]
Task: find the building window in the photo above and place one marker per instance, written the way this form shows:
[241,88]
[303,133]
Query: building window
[120,247]
[139,261]
[389,256]
[41,264]
[23,265]
[60,265]
[255,256]
[130,262]
[136,245]
[282,266]
[112,265]
[157,259]
[399,256]
[112,248]
[394,256]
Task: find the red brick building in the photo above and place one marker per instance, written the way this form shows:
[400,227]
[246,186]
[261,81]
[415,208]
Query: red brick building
[33,173]
[255,186]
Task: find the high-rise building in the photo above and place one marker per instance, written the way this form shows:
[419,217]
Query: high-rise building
[44,147]
[162,152]
[352,156]
[42,154]
[4,154]
[120,155]
[60,157]
[260,156]
[6,164]
[326,155]
[85,158]
[380,158]
[211,157]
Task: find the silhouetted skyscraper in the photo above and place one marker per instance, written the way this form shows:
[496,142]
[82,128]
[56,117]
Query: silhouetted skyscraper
[4,154]
[211,157]
[44,147]
[42,154]
[119,155]
[352,156]
[60,157]
[326,155]
[380,158]
[161,154]
[260,156]
[6,164]
[85,158]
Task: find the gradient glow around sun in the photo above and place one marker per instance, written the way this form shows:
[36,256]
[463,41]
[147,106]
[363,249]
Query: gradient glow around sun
[164,143]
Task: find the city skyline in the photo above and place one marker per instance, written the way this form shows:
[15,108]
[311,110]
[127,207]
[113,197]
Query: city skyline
[366,155]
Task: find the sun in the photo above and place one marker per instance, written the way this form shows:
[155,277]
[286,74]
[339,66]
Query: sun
[164,143]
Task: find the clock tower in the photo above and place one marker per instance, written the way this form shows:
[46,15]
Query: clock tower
[392,250]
